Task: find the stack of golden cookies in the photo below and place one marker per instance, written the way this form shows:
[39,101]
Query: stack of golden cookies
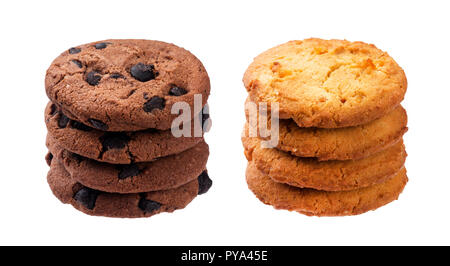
[337,148]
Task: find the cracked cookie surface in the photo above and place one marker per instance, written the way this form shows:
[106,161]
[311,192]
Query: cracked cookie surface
[325,175]
[114,147]
[133,205]
[340,143]
[327,83]
[125,85]
[322,203]
[164,173]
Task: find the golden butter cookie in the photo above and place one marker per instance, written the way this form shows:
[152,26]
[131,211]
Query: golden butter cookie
[341,143]
[322,203]
[326,175]
[327,83]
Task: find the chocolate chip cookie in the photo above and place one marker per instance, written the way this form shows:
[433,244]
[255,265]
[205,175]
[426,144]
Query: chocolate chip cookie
[160,174]
[322,203]
[326,175]
[327,83]
[133,205]
[115,147]
[126,85]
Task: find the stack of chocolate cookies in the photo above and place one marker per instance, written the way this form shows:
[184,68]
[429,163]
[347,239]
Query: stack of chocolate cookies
[339,149]
[125,127]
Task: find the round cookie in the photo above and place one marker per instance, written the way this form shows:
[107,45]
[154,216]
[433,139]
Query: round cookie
[164,173]
[327,83]
[322,203]
[341,143]
[126,85]
[326,175]
[134,205]
[115,147]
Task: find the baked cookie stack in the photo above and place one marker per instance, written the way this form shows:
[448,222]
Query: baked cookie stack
[112,149]
[339,149]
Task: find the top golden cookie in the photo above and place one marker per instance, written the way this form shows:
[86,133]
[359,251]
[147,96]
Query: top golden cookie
[327,83]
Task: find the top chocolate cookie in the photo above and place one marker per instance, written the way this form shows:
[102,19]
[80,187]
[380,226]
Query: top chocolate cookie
[126,85]
[327,83]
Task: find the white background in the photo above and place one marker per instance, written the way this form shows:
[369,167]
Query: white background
[225,36]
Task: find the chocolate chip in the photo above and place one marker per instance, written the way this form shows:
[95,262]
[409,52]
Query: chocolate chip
[87,197]
[116,76]
[154,103]
[114,140]
[128,170]
[53,109]
[204,183]
[177,91]
[145,95]
[143,72]
[101,45]
[78,63]
[98,124]
[48,158]
[205,118]
[80,126]
[93,78]
[149,205]
[63,120]
[74,50]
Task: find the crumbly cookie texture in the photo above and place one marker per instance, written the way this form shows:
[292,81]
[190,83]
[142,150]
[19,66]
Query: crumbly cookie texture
[327,83]
[161,174]
[326,175]
[125,85]
[348,143]
[133,205]
[114,147]
[321,203]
